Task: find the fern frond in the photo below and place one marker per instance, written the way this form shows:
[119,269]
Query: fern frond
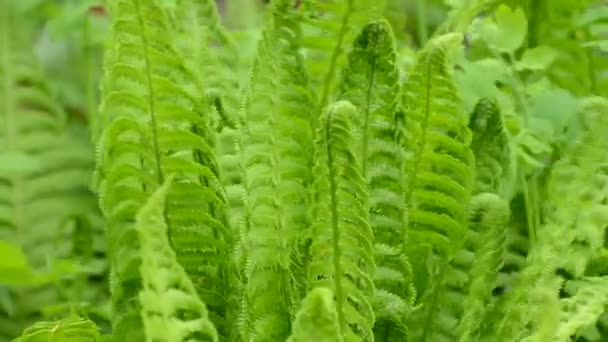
[575,219]
[331,27]
[342,243]
[317,320]
[276,156]
[491,146]
[486,241]
[439,183]
[171,309]
[154,122]
[371,82]
[68,330]
[578,188]
[584,307]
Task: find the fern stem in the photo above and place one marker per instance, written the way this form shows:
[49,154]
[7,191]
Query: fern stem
[335,229]
[368,100]
[329,76]
[427,112]
[151,96]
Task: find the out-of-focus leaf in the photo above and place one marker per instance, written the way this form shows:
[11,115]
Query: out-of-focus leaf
[554,106]
[15,163]
[14,267]
[507,32]
[601,44]
[592,15]
[538,58]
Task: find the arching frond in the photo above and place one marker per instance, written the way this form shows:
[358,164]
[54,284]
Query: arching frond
[342,240]
[439,183]
[171,309]
[483,253]
[371,82]
[154,122]
[276,156]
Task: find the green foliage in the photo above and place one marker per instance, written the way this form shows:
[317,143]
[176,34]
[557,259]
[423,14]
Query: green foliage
[171,309]
[276,153]
[439,184]
[342,243]
[371,82]
[68,330]
[303,170]
[317,320]
[492,148]
[154,124]
[46,208]
[484,248]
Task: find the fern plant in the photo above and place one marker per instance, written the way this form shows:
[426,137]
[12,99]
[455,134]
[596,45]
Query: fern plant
[328,175]
[371,82]
[153,124]
[342,245]
[276,164]
[439,184]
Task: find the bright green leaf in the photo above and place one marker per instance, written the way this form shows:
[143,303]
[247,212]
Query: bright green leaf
[507,32]
[538,58]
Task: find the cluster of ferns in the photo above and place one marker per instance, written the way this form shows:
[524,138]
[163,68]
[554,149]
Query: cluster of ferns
[334,198]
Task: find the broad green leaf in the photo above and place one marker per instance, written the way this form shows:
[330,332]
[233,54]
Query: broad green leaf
[478,79]
[554,106]
[507,32]
[538,58]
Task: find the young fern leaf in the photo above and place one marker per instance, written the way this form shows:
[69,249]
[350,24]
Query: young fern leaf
[276,156]
[371,82]
[317,320]
[154,123]
[67,330]
[439,183]
[332,25]
[171,309]
[484,250]
[491,146]
[342,245]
